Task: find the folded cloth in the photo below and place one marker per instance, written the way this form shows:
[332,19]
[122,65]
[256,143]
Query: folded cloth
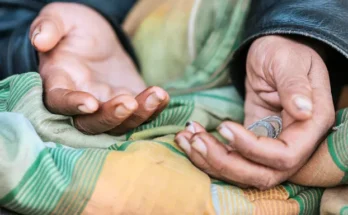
[76,173]
[142,177]
[146,173]
[191,40]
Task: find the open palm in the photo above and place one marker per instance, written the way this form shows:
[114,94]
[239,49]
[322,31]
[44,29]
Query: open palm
[87,74]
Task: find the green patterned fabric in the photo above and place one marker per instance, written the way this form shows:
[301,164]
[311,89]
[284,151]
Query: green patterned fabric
[60,175]
[337,143]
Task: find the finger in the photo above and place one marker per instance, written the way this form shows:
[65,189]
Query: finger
[284,153]
[194,127]
[61,98]
[149,102]
[201,162]
[252,147]
[234,167]
[110,114]
[160,109]
[198,160]
[46,32]
[182,139]
[291,69]
[69,102]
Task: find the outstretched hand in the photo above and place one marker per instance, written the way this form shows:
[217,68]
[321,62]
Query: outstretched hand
[87,74]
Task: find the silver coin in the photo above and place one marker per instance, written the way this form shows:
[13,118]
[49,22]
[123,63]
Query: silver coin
[268,127]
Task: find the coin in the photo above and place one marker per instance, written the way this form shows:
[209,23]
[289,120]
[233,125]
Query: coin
[268,127]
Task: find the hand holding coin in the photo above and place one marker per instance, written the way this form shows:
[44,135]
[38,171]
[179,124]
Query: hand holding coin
[288,97]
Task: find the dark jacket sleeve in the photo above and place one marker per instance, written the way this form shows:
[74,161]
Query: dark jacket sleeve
[18,55]
[323,21]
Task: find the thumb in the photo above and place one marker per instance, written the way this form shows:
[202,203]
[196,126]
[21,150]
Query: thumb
[294,87]
[46,32]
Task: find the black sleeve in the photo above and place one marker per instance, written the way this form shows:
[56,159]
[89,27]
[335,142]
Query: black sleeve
[323,21]
[18,55]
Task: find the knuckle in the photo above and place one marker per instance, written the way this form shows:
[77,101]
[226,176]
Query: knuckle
[206,168]
[296,83]
[271,58]
[221,168]
[50,103]
[275,60]
[201,164]
[249,152]
[196,135]
[267,183]
[108,121]
[287,161]
[81,127]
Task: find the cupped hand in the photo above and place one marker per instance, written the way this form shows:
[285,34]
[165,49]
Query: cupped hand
[285,78]
[87,74]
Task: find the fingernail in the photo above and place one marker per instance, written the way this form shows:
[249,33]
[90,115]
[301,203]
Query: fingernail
[226,133]
[303,103]
[84,109]
[35,33]
[184,144]
[152,101]
[121,111]
[91,105]
[131,106]
[200,147]
[190,127]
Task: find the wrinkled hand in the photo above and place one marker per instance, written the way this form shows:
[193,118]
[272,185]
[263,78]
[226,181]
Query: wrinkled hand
[284,78]
[87,74]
